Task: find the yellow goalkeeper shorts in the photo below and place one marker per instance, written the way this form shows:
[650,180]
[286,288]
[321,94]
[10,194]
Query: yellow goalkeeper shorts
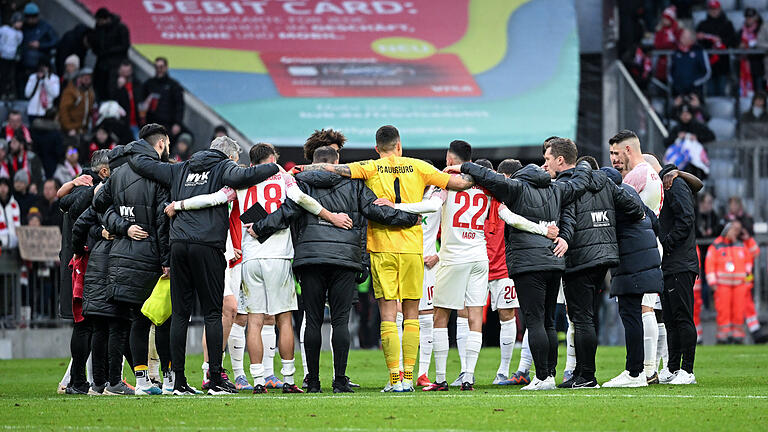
[397,276]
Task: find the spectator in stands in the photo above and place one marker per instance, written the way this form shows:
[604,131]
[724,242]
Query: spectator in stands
[716,32]
[70,168]
[128,91]
[754,123]
[183,149]
[20,158]
[687,124]
[47,141]
[39,40]
[751,78]
[4,171]
[114,118]
[71,70]
[707,221]
[23,196]
[110,41]
[49,204]
[102,140]
[77,104]
[684,8]
[736,212]
[42,88]
[10,217]
[15,122]
[10,40]
[667,35]
[698,110]
[34,217]
[165,99]
[72,43]
[690,66]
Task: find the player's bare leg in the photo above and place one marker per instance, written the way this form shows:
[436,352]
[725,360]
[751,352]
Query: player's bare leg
[462,332]
[426,320]
[507,337]
[256,350]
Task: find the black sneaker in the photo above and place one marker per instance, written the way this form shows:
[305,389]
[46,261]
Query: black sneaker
[467,386]
[291,388]
[78,390]
[313,386]
[654,379]
[218,386]
[351,384]
[185,390]
[259,389]
[584,383]
[760,336]
[342,385]
[436,386]
[304,384]
[569,383]
[227,382]
[97,390]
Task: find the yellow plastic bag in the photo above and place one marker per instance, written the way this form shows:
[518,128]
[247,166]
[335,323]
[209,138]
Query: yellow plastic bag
[158,306]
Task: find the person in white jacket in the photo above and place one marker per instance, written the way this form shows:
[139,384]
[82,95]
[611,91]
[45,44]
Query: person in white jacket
[42,88]
[10,216]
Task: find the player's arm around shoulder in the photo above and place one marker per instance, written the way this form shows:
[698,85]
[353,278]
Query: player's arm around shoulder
[384,213]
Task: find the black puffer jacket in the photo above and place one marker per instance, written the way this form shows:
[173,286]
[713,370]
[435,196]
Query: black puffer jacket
[677,232]
[87,232]
[135,266]
[531,194]
[110,42]
[318,242]
[205,172]
[589,227]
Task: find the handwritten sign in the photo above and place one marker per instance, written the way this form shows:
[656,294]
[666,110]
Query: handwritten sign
[41,243]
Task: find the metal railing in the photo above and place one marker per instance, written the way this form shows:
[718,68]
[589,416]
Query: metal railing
[636,113]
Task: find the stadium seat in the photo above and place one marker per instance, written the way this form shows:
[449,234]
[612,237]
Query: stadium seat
[720,168]
[3,112]
[757,4]
[720,107]
[724,129]
[658,105]
[737,18]
[728,5]
[725,188]
[699,16]
[745,104]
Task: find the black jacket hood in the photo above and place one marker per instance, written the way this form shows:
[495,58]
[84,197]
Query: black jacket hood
[140,147]
[320,179]
[597,180]
[534,175]
[117,156]
[205,160]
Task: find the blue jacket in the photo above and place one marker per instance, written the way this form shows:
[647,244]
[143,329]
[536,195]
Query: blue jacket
[43,33]
[689,70]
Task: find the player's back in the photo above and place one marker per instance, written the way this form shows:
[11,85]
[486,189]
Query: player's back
[463,217]
[647,183]
[271,194]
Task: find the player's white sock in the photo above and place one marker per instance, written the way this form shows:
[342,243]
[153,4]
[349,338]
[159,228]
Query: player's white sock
[288,370]
[462,331]
[526,359]
[440,350]
[257,372]
[236,346]
[65,379]
[570,358]
[205,371]
[301,344]
[425,343]
[269,340]
[89,368]
[662,352]
[507,337]
[399,324]
[650,340]
[474,343]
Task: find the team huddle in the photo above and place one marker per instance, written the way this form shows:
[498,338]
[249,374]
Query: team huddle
[240,238]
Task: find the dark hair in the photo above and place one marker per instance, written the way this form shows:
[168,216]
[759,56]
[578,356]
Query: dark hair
[325,154]
[103,13]
[759,95]
[162,59]
[461,149]
[126,62]
[546,143]
[509,166]
[322,138]
[386,137]
[484,163]
[590,160]
[261,151]
[56,182]
[565,148]
[152,133]
[220,128]
[622,136]
[19,135]
[14,112]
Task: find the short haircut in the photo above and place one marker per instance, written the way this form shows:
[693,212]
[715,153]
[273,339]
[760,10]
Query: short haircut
[220,128]
[484,163]
[20,136]
[126,62]
[461,149]
[622,136]
[226,145]
[387,137]
[509,166]
[14,112]
[152,133]
[261,151]
[565,148]
[162,59]
[322,138]
[325,154]
[100,159]
[590,160]
[56,182]
[546,143]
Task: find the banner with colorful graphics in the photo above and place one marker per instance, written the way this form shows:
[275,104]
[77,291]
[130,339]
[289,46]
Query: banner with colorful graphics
[496,73]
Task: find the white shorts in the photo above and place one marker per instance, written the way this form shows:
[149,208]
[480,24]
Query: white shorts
[268,286]
[425,303]
[233,278]
[460,285]
[503,294]
[651,300]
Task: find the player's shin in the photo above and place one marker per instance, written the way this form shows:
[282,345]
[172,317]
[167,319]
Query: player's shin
[236,345]
[425,343]
[650,340]
[390,344]
[440,349]
[507,337]
[410,347]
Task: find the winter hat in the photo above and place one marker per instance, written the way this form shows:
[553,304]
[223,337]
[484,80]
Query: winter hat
[16,17]
[612,174]
[73,60]
[713,4]
[21,176]
[750,12]
[103,13]
[670,13]
[110,109]
[85,71]
[187,138]
[31,9]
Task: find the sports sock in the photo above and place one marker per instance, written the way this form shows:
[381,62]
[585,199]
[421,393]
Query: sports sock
[410,346]
[236,346]
[153,362]
[89,368]
[425,343]
[390,344]
[526,359]
[205,371]
[65,379]
[650,340]
[507,337]
[570,357]
[440,349]
[301,344]
[399,323]
[168,380]
[288,370]
[269,339]
[474,343]
[257,373]
[462,331]
[142,378]
[662,352]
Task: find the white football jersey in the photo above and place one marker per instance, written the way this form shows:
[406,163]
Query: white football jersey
[647,183]
[271,194]
[430,225]
[462,220]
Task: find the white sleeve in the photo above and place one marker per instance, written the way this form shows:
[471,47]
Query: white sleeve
[30,86]
[202,201]
[521,223]
[304,201]
[53,86]
[430,205]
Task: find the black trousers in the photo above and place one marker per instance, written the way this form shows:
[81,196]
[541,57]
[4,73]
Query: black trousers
[631,313]
[337,284]
[80,348]
[677,306]
[582,294]
[537,292]
[196,270]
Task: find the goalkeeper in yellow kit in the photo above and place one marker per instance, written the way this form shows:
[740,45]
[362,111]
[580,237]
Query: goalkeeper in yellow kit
[397,264]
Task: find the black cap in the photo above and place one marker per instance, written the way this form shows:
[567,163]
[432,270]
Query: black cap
[750,12]
[103,13]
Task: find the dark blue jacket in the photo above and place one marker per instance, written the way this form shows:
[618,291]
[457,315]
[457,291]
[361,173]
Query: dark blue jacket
[43,33]
[689,70]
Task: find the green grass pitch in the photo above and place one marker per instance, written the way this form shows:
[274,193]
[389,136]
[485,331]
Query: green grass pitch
[732,395]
